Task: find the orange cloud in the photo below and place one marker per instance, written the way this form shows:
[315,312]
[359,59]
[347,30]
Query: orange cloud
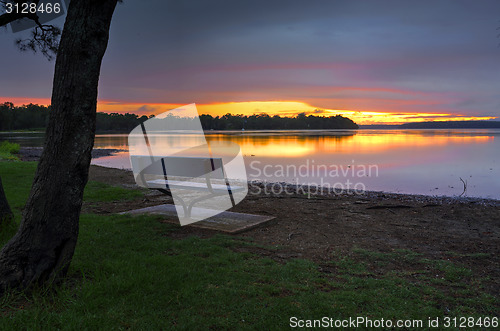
[17,101]
[292,108]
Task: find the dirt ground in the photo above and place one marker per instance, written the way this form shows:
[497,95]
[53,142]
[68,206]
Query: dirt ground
[317,227]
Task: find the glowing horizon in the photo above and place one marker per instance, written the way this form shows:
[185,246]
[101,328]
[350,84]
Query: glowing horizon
[282,108]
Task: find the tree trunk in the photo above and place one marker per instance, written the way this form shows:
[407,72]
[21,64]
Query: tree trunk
[5,212]
[42,249]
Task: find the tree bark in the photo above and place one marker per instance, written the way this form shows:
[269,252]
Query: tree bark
[42,249]
[5,211]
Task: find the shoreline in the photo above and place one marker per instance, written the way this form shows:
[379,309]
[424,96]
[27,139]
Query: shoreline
[33,154]
[294,190]
[442,199]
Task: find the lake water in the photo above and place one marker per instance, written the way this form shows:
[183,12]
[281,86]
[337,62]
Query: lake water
[430,162]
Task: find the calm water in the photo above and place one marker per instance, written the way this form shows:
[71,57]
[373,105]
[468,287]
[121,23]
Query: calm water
[427,162]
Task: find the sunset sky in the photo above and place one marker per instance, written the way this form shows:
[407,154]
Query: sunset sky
[372,61]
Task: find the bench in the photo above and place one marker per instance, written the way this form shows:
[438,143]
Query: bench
[185,169]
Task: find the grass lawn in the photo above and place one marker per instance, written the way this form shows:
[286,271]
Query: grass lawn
[129,273]
[8,151]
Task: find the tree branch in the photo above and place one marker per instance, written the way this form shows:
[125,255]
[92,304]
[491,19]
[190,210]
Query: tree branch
[44,38]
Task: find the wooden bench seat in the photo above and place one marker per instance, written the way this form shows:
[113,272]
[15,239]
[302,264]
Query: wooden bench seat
[193,170]
[161,184]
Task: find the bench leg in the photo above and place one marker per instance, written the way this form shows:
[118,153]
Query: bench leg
[187,209]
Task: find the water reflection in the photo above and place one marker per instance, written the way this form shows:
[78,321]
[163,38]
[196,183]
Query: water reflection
[285,146]
[409,161]
[25,139]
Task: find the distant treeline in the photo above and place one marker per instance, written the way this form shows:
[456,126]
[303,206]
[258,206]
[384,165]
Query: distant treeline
[30,117]
[452,125]
[33,117]
[266,122]
[25,117]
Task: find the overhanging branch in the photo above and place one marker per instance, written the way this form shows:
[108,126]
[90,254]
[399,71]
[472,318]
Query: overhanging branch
[44,38]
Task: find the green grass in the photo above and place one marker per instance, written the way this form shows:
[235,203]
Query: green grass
[8,151]
[100,192]
[129,273]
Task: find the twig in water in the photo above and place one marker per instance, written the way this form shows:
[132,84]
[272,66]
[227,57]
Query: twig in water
[465,186]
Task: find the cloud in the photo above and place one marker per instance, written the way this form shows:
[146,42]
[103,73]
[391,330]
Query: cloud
[145,109]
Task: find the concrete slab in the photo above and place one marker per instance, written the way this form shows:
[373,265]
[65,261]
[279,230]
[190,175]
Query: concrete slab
[226,221]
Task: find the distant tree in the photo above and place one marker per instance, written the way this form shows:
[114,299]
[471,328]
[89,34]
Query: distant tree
[266,122]
[23,117]
[452,125]
[35,117]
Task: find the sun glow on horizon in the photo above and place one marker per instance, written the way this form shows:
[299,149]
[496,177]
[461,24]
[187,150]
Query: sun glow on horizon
[277,107]
[293,108]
